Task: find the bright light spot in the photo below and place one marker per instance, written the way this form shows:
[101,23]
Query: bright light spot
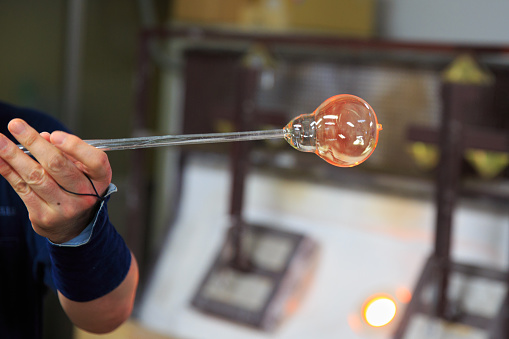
[341,136]
[334,117]
[379,311]
[359,141]
[350,124]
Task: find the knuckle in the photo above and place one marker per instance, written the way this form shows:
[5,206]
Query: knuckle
[30,139]
[36,176]
[57,162]
[5,170]
[102,160]
[9,154]
[44,220]
[101,164]
[21,187]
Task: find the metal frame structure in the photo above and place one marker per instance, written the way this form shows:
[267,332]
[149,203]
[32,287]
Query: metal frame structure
[451,137]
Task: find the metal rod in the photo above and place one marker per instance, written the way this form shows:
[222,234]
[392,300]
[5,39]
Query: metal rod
[174,140]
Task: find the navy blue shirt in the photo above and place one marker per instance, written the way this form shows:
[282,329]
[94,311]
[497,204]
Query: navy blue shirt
[25,267]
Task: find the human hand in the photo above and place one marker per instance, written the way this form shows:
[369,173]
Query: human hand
[62,159]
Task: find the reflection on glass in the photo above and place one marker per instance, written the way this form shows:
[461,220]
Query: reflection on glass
[343,131]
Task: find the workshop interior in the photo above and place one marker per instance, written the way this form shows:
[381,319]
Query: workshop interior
[261,238]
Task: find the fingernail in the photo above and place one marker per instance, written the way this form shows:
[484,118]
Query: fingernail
[58,138]
[16,127]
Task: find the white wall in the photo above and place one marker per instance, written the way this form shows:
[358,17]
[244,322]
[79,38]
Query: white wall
[463,21]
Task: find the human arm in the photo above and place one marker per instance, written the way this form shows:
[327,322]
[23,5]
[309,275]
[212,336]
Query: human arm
[62,161]
[104,314]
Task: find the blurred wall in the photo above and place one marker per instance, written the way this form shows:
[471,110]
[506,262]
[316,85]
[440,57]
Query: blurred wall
[464,21]
[31,53]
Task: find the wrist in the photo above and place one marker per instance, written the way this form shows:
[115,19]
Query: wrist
[81,234]
[94,266]
[75,229]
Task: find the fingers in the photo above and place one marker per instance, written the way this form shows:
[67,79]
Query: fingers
[62,160]
[92,161]
[15,180]
[24,174]
[57,165]
[55,213]
[45,135]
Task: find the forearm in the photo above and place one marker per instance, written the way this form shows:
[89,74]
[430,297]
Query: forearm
[96,275]
[105,313]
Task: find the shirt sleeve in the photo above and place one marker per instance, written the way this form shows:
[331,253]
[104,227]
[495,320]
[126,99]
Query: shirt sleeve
[86,234]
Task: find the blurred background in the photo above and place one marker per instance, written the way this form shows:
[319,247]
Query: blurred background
[419,230]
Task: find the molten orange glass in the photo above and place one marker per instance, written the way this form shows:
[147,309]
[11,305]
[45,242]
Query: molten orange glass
[343,131]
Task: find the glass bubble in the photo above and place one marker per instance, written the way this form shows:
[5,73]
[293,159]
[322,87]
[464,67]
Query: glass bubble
[343,131]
